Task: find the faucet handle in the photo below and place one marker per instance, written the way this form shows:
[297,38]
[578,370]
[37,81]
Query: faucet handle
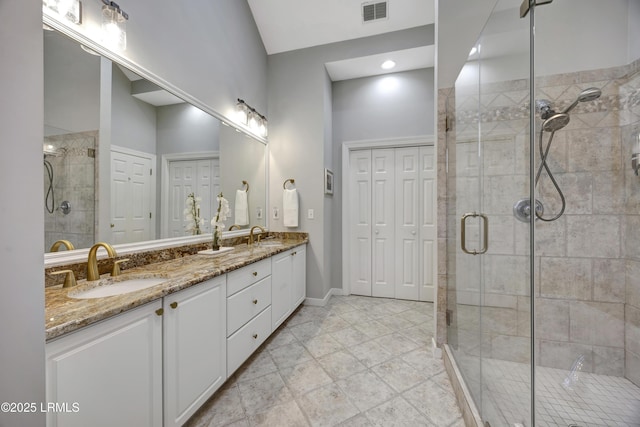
[69,280]
[115,271]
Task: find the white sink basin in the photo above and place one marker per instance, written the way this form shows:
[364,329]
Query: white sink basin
[269,244]
[118,288]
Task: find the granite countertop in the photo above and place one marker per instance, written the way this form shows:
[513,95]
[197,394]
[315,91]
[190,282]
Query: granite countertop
[64,314]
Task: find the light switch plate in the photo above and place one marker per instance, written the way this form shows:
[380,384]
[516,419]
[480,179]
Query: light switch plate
[276,213]
[310,214]
[258,213]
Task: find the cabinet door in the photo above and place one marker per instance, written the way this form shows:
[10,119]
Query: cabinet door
[112,370]
[281,280]
[299,276]
[194,348]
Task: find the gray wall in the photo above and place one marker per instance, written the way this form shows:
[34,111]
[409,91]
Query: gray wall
[183,128]
[300,140]
[133,122]
[72,86]
[22,230]
[391,106]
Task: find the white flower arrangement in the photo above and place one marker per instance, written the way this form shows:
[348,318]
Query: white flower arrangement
[217,223]
[192,214]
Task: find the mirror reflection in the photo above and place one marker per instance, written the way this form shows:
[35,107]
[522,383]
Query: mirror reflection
[120,147]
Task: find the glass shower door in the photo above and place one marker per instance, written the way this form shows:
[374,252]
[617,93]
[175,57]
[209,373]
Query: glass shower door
[488,172]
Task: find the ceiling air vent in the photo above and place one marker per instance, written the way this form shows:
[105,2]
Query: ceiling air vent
[374,11]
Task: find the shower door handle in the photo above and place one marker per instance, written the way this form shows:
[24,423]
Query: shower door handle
[485,234]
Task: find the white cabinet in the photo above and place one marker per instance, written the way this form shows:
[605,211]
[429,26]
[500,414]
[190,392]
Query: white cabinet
[248,311]
[299,276]
[194,348]
[112,370]
[288,284]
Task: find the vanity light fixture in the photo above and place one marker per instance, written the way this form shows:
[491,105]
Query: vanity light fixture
[71,10]
[388,64]
[242,112]
[248,116]
[114,25]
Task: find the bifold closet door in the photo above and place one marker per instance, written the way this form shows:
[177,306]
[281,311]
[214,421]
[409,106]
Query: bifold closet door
[383,223]
[407,182]
[372,211]
[360,222]
[392,218]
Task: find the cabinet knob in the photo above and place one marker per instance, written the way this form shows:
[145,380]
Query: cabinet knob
[255,336]
[174,304]
[255,301]
[377,231]
[255,273]
[160,311]
[293,253]
[413,232]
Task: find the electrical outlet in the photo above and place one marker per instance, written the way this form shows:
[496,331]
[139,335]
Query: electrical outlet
[310,214]
[258,213]
[276,213]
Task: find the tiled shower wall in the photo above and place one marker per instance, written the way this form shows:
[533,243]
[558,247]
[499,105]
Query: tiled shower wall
[74,181]
[587,271]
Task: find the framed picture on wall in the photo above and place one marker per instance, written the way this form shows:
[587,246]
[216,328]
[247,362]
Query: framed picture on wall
[328,182]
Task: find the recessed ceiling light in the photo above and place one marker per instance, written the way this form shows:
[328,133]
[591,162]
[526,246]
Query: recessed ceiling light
[388,64]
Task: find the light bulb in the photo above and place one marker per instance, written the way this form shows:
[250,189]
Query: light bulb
[254,121]
[388,64]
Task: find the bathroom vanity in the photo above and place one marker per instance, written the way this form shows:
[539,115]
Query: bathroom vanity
[152,357]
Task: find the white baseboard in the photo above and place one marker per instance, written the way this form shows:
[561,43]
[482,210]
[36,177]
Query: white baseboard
[321,302]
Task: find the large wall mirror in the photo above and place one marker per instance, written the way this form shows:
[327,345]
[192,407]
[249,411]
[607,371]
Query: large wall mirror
[108,130]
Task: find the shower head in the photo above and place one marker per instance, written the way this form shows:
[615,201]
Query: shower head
[586,95]
[555,122]
[50,150]
[543,106]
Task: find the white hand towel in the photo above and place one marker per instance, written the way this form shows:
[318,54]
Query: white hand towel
[290,207]
[242,208]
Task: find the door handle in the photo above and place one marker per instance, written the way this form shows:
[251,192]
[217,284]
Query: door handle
[485,234]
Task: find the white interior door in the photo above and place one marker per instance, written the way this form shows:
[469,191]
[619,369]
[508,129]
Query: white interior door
[383,222]
[131,198]
[407,184]
[201,177]
[428,224]
[360,222]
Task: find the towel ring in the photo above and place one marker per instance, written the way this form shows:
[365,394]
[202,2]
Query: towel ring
[291,180]
[247,184]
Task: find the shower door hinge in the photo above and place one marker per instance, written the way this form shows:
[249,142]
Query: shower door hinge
[447,128]
[526,5]
[150,171]
[449,316]
[149,215]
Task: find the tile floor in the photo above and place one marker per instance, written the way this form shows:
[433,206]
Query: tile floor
[358,361]
[592,400]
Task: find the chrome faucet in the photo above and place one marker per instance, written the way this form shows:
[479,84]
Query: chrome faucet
[67,244]
[262,230]
[92,261]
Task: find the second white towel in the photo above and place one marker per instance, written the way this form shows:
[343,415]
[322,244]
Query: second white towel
[290,208]
[242,208]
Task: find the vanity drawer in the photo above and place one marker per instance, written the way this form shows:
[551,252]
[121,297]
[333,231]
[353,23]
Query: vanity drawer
[247,340]
[244,305]
[240,279]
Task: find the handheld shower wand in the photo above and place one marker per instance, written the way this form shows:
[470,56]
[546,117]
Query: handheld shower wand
[552,122]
